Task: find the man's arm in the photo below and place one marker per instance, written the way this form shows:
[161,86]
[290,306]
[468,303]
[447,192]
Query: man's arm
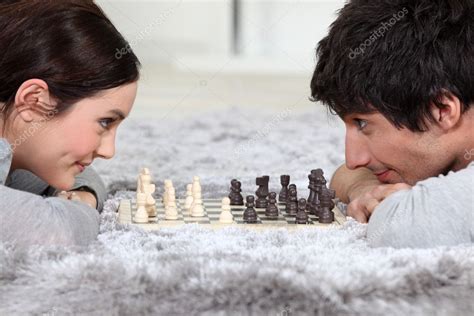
[350,184]
[362,191]
[436,211]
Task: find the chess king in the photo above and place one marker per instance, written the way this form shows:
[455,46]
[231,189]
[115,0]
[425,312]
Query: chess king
[404,89]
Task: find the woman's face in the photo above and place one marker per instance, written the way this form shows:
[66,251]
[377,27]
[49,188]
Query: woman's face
[58,149]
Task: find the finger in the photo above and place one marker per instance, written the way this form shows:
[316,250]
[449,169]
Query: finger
[75,197]
[355,211]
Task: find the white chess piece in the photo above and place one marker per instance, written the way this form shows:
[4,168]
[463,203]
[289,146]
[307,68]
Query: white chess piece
[168,185]
[171,211]
[189,197]
[144,176]
[226,215]
[196,183]
[196,188]
[197,210]
[141,215]
[150,201]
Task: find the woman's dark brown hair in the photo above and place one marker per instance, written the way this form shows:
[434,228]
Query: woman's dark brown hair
[70,44]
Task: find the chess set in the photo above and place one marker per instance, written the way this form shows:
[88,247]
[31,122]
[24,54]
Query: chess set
[266,211]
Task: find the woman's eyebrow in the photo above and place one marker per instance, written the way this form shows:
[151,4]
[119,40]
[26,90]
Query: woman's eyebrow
[118,113]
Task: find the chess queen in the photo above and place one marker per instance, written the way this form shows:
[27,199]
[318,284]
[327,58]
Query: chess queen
[68,79]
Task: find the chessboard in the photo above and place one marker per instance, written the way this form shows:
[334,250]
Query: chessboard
[212,210]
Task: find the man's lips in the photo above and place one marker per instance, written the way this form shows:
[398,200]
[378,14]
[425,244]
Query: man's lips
[382,176]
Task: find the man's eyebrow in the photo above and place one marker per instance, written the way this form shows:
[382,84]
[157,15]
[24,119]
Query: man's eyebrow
[118,113]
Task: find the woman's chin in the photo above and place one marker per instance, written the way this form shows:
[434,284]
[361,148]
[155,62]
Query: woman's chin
[62,184]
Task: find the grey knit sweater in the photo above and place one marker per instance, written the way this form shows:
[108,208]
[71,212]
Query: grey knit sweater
[31,215]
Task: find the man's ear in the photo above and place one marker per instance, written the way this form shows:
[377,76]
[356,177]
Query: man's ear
[450,114]
[33,100]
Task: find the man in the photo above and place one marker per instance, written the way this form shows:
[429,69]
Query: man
[400,74]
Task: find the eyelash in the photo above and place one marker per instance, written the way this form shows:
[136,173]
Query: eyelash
[108,121]
[359,122]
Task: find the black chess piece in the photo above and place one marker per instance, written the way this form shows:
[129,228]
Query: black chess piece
[293,187]
[262,191]
[235,196]
[292,204]
[319,183]
[312,192]
[284,181]
[302,216]
[250,215]
[271,212]
[326,215]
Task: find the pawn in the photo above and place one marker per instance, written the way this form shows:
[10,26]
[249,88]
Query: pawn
[189,197]
[168,185]
[196,183]
[271,212]
[235,196]
[302,216]
[250,215]
[171,211]
[226,215]
[171,195]
[292,204]
[293,187]
[141,215]
[197,210]
[326,215]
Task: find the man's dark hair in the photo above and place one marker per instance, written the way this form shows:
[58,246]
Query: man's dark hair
[70,44]
[397,57]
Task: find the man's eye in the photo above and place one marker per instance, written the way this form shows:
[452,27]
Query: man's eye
[361,124]
[105,123]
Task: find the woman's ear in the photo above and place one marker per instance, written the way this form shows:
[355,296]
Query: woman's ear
[33,100]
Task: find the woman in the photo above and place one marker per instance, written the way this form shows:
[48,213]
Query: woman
[63,93]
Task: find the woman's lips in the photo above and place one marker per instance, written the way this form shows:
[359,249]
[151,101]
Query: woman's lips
[81,167]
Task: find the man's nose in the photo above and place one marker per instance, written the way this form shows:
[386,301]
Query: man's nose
[357,152]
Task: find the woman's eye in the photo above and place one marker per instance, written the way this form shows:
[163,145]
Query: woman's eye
[105,123]
[361,124]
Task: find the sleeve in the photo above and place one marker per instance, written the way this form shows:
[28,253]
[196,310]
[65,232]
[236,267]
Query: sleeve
[26,181]
[28,219]
[437,211]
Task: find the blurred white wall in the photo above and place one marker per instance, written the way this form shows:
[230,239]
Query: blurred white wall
[277,36]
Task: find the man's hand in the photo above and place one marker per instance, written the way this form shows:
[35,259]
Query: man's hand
[82,196]
[364,201]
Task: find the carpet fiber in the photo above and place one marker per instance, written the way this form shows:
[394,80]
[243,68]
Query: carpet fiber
[191,270]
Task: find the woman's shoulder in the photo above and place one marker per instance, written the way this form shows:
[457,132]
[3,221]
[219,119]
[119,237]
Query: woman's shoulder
[5,159]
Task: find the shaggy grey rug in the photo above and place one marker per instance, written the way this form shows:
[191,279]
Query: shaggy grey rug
[191,270]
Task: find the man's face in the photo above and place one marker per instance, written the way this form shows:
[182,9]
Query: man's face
[394,155]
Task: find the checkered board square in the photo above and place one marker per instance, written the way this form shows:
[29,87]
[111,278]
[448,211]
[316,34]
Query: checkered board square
[212,210]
